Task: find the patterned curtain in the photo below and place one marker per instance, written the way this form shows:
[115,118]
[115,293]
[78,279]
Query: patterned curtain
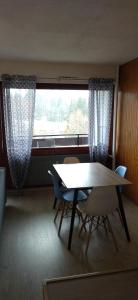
[19,104]
[100,113]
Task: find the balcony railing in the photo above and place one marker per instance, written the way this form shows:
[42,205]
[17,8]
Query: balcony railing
[59,140]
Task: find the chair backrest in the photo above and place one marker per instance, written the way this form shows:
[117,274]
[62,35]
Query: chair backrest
[121,171]
[101,201]
[71,160]
[56,186]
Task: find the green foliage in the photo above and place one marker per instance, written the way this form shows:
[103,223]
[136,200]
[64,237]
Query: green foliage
[59,110]
[61,114]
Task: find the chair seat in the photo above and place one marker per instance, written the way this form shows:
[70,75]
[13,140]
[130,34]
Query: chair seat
[69,195]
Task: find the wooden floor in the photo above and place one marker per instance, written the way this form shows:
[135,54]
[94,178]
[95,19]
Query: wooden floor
[32,251]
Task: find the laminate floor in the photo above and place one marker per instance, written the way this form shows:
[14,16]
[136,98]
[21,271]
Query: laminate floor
[32,251]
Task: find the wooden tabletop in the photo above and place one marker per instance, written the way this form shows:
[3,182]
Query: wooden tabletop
[118,285]
[87,175]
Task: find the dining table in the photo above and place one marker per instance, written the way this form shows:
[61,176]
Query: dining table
[85,176]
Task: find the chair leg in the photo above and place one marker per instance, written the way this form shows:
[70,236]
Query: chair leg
[61,219]
[89,235]
[83,225]
[55,202]
[58,209]
[105,227]
[98,223]
[80,216]
[118,210]
[111,230]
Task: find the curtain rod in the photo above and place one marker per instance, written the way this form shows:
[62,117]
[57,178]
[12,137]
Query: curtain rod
[63,78]
[60,78]
[68,78]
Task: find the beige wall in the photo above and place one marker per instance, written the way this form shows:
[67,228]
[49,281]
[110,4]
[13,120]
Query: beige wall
[51,70]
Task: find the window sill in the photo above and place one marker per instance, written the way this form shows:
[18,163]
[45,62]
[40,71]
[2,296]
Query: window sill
[60,150]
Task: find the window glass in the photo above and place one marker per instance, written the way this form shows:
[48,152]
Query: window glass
[61,118]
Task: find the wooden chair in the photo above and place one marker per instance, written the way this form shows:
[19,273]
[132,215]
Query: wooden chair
[71,160]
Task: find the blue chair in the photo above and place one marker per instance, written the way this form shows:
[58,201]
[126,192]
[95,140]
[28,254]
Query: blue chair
[65,197]
[57,188]
[121,171]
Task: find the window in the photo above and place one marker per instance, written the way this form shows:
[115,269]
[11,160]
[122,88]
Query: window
[61,118]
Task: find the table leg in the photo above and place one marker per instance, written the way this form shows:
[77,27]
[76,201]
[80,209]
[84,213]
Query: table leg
[122,213]
[72,218]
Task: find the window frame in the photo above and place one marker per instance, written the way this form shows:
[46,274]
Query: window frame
[45,151]
[48,151]
[64,149]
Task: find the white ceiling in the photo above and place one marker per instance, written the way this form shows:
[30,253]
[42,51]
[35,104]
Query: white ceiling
[87,31]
